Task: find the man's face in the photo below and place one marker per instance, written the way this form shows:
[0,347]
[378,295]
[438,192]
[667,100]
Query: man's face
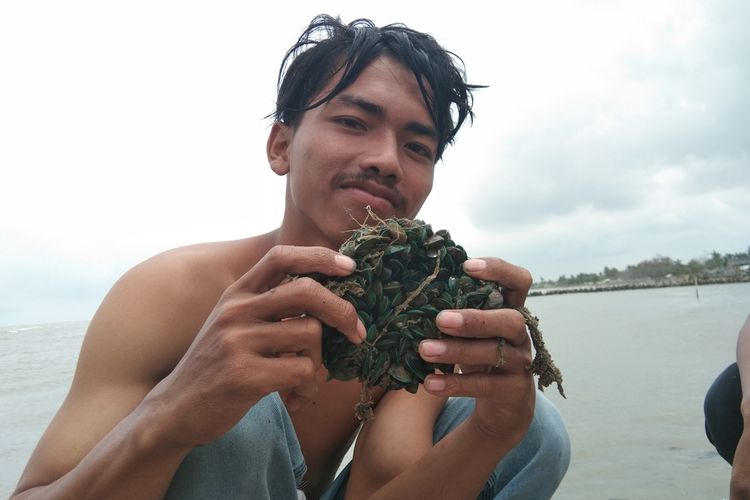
[373,144]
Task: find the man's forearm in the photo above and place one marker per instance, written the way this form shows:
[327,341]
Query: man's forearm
[456,467]
[130,462]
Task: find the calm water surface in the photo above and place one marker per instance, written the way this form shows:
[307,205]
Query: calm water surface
[636,364]
[36,367]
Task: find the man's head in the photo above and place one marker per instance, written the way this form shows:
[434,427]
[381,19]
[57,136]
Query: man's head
[328,47]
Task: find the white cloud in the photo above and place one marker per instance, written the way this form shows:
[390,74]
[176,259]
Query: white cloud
[611,132]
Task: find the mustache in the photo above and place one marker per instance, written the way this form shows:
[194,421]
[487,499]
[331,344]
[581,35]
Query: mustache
[365,177]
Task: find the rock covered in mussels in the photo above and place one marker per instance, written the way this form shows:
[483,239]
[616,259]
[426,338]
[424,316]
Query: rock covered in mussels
[406,274]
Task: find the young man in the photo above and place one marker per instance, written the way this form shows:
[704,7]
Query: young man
[201,376]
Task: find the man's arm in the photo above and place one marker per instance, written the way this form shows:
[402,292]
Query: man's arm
[120,433]
[393,441]
[740,482]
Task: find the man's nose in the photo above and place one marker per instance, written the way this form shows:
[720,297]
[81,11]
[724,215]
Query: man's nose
[384,157]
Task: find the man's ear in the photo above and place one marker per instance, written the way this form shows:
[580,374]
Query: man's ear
[277,148]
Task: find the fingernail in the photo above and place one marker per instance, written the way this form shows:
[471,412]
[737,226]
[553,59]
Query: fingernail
[345,263]
[433,347]
[474,265]
[435,384]
[449,319]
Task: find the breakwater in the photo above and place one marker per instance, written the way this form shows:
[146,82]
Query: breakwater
[618,285]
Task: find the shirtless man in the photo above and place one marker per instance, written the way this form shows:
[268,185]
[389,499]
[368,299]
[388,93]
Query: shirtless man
[200,375]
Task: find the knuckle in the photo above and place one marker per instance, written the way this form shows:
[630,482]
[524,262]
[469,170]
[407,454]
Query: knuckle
[232,341]
[279,253]
[306,369]
[527,359]
[230,311]
[307,285]
[346,309]
[525,278]
[322,254]
[231,290]
[517,323]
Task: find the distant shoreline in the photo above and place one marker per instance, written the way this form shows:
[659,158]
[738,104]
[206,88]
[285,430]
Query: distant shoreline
[636,285]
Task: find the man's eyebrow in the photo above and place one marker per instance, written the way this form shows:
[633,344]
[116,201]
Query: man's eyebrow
[422,129]
[377,110]
[368,107]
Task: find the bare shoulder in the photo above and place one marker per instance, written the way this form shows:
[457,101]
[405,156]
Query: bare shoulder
[157,308]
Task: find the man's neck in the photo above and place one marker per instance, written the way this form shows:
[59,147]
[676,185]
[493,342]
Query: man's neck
[294,231]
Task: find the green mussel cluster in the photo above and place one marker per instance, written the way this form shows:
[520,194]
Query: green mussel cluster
[406,274]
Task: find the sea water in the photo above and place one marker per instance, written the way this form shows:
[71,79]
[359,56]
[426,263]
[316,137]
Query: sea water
[636,366]
[36,368]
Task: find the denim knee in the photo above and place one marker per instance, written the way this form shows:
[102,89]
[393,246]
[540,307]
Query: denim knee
[548,430]
[535,467]
[258,458]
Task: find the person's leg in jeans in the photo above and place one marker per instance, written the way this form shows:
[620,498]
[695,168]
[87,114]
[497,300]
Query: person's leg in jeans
[535,467]
[532,470]
[259,458]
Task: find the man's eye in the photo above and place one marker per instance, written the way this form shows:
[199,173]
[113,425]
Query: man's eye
[420,150]
[350,123]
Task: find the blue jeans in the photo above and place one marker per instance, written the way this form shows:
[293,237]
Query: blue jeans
[260,458]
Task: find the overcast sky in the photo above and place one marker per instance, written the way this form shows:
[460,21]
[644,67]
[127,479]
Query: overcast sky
[611,132]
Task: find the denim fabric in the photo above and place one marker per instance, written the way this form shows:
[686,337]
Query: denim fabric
[260,458]
[532,470]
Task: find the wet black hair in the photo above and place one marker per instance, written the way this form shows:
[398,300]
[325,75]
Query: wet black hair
[328,46]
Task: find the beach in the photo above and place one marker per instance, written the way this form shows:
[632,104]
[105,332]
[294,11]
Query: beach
[636,366]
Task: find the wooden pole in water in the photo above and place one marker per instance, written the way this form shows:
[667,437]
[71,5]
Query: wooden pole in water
[695,280]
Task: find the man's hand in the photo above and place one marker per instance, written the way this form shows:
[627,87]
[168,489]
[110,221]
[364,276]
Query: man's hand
[264,335]
[493,350]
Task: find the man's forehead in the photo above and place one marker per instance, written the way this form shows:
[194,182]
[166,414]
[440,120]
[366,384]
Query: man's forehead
[383,62]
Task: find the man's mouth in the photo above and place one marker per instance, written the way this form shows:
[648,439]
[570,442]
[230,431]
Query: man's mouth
[375,190]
